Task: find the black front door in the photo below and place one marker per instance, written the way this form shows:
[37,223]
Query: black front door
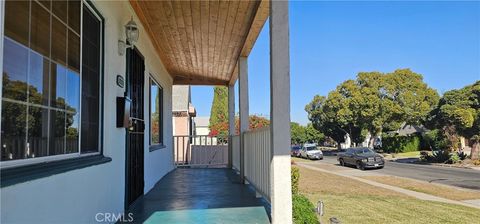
[135,133]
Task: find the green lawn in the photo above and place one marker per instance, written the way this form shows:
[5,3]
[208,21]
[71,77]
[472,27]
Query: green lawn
[382,209]
[414,154]
[357,202]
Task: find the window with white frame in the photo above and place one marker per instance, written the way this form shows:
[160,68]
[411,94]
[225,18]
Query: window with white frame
[51,80]
[156,113]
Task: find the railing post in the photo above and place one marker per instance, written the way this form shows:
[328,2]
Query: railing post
[231,122]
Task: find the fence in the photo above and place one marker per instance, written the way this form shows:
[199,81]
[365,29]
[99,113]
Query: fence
[200,151]
[257,160]
[235,151]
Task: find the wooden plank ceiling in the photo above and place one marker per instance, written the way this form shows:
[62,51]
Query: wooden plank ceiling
[199,42]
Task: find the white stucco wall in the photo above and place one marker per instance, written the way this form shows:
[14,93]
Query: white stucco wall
[76,196]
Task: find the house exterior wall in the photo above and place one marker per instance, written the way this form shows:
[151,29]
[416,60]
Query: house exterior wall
[78,195]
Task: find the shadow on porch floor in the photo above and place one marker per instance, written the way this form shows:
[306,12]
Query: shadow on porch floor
[200,196]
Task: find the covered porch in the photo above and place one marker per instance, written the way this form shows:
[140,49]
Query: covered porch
[208,43]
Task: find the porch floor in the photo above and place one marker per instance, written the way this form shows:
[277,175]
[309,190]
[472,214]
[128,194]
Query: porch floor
[199,196]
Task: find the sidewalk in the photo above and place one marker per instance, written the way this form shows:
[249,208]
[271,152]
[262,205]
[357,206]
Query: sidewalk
[356,174]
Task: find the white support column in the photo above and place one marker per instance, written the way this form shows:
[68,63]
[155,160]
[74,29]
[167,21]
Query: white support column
[243,108]
[280,182]
[231,122]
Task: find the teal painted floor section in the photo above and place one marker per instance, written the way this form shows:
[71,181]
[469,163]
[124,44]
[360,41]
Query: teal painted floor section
[245,215]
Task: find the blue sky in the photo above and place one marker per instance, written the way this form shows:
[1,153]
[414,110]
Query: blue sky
[332,41]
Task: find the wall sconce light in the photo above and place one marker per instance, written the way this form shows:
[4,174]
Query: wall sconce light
[132,33]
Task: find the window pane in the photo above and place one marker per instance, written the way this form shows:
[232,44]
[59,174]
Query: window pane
[73,92]
[73,51]
[38,79]
[72,132]
[17,20]
[15,64]
[90,122]
[74,15]
[37,145]
[59,8]
[58,86]
[13,135]
[59,40]
[57,132]
[154,114]
[40,30]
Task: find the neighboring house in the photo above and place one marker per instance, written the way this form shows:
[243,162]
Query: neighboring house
[183,110]
[407,129]
[202,125]
[183,113]
[202,131]
[87,107]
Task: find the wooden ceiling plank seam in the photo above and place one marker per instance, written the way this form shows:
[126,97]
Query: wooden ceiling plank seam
[163,31]
[174,33]
[230,20]
[197,32]
[144,21]
[234,43]
[181,30]
[222,18]
[187,12]
[212,30]
[204,10]
[249,19]
[228,41]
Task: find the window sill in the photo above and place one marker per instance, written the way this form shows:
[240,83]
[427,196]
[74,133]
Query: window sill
[16,175]
[156,147]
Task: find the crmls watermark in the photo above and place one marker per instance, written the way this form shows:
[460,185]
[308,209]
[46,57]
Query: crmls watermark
[113,217]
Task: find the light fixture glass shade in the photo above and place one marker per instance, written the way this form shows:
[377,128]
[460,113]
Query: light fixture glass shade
[131,31]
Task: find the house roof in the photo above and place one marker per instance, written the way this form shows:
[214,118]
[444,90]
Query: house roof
[199,42]
[202,121]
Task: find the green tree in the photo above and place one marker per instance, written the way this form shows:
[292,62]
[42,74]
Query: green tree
[219,110]
[332,117]
[458,113]
[298,133]
[313,135]
[387,100]
[373,102]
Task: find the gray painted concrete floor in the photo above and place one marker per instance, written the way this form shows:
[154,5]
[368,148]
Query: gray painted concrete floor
[200,196]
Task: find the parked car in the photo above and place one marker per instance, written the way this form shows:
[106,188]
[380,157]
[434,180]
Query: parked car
[310,151]
[296,150]
[362,158]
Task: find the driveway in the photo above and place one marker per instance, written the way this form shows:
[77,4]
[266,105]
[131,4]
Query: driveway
[458,177]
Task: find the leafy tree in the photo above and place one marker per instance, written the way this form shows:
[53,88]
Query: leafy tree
[387,100]
[458,112]
[298,134]
[301,134]
[373,102]
[255,122]
[313,135]
[219,110]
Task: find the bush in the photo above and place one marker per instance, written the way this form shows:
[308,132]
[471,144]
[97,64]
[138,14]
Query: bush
[439,156]
[397,144]
[303,210]
[434,140]
[454,158]
[295,179]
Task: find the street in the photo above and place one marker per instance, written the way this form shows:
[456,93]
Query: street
[459,177]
